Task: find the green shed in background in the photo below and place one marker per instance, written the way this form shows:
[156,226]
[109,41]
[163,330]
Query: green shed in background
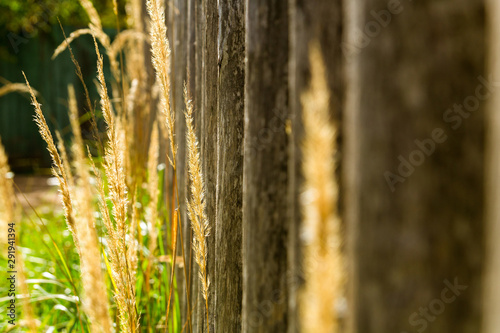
[50,78]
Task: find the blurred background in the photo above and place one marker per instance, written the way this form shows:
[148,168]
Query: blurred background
[31,33]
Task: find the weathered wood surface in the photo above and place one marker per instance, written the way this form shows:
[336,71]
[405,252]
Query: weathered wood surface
[265,178]
[178,11]
[248,65]
[208,139]
[417,232]
[230,113]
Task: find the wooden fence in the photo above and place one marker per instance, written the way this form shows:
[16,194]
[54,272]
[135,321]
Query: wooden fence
[413,218]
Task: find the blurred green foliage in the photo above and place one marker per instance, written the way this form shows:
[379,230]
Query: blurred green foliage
[52,268]
[32,16]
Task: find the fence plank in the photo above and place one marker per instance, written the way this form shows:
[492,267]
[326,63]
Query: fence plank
[415,229]
[265,168]
[230,112]
[317,22]
[209,140]
[179,74]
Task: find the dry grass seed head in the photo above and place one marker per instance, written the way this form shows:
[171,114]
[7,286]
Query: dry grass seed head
[58,168]
[94,287]
[196,205]
[117,231]
[72,36]
[14,87]
[323,264]
[153,190]
[160,49]
[92,13]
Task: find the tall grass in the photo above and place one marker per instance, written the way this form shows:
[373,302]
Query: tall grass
[122,222]
[58,169]
[119,226]
[122,270]
[160,50]
[7,216]
[92,275]
[14,87]
[6,195]
[80,222]
[196,206]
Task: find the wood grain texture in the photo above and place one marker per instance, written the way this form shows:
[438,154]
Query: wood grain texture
[208,139]
[402,79]
[265,180]
[179,77]
[230,112]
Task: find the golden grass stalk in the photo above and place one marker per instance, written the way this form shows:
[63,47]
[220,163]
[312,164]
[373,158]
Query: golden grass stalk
[134,14]
[6,217]
[120,273]
[323,266]
[58,169]
[14,87]
[72,36]
[133,244]
[65,162]
[92,13]
[89,105]
[160,49]
[29,320]
[79,155]
[99,34]
[130,142]
[115,7]
[197,205]
[160,54]
[117,229]
[95,300]
[124,37]
[80,222]
[153,190]
[133,41]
